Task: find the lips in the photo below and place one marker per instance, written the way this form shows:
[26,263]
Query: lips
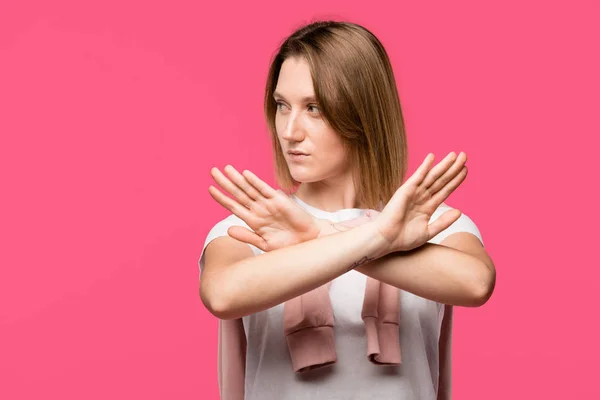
[297,152]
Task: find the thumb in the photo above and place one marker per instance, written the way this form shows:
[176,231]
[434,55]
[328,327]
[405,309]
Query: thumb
[247,236]
[443,222]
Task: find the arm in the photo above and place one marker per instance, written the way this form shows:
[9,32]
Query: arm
[457,272]
[232,289]
[235,284]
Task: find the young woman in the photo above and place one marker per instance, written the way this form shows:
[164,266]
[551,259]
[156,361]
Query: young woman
[291,277]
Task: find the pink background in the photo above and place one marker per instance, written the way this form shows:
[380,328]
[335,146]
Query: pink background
[112,114]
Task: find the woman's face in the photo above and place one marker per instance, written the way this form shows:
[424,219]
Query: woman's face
[302,129]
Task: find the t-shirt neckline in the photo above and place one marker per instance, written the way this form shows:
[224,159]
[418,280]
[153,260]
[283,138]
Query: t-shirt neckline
[340,214]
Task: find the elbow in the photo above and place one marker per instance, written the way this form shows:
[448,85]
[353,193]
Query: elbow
[216,308]
[222,312]
[484,287]
[215,302]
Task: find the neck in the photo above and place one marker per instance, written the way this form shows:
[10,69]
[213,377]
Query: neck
[329,195]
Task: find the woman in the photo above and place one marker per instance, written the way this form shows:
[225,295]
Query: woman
[338,137]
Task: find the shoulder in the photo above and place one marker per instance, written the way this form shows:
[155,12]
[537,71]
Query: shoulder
[220,230]
[463,224]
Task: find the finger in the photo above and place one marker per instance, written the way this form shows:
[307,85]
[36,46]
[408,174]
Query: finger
[412,182]
[230,187]
[233,206]
[443,193]
[242,183]
[439,170]
[247,236]
[454,169]
[444,221]
[266,190]
[421,172]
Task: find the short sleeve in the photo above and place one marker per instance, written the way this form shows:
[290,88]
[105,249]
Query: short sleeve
[462,224]
[220,229]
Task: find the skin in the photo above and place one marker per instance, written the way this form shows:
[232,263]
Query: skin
[324,173]
[304,253]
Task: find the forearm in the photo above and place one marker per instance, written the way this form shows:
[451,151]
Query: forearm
[260,282]
[435,272]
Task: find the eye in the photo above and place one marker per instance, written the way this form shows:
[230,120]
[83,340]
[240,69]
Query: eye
[313,107]
[279,105]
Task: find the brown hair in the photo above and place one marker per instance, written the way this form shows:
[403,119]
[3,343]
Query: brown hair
[355,87]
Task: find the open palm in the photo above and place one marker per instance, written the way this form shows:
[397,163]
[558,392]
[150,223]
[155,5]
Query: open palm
[404,222]
[275,219]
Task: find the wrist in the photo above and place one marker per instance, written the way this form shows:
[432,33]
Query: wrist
[329,227]
[325,227]
[380,246]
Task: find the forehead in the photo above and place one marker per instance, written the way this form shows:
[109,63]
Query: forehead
[295,79]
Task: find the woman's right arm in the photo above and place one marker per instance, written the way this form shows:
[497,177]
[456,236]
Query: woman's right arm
[235,283]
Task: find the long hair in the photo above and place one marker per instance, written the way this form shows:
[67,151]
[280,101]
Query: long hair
[355,87]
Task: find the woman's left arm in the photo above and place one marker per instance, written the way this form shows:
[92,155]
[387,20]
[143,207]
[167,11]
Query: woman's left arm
[457,272]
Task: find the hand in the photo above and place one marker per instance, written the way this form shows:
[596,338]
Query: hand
[276,220]
[404,222]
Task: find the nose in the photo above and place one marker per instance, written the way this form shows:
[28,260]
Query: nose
[293,131]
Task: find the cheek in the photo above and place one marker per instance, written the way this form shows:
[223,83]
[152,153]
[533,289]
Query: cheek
[336,150]
[278,126]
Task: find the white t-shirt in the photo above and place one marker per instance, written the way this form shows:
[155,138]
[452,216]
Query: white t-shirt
[269,373]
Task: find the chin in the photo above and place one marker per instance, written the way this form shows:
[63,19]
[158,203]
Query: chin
[303,176]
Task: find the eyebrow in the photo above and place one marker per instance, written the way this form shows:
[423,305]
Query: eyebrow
[306,99]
